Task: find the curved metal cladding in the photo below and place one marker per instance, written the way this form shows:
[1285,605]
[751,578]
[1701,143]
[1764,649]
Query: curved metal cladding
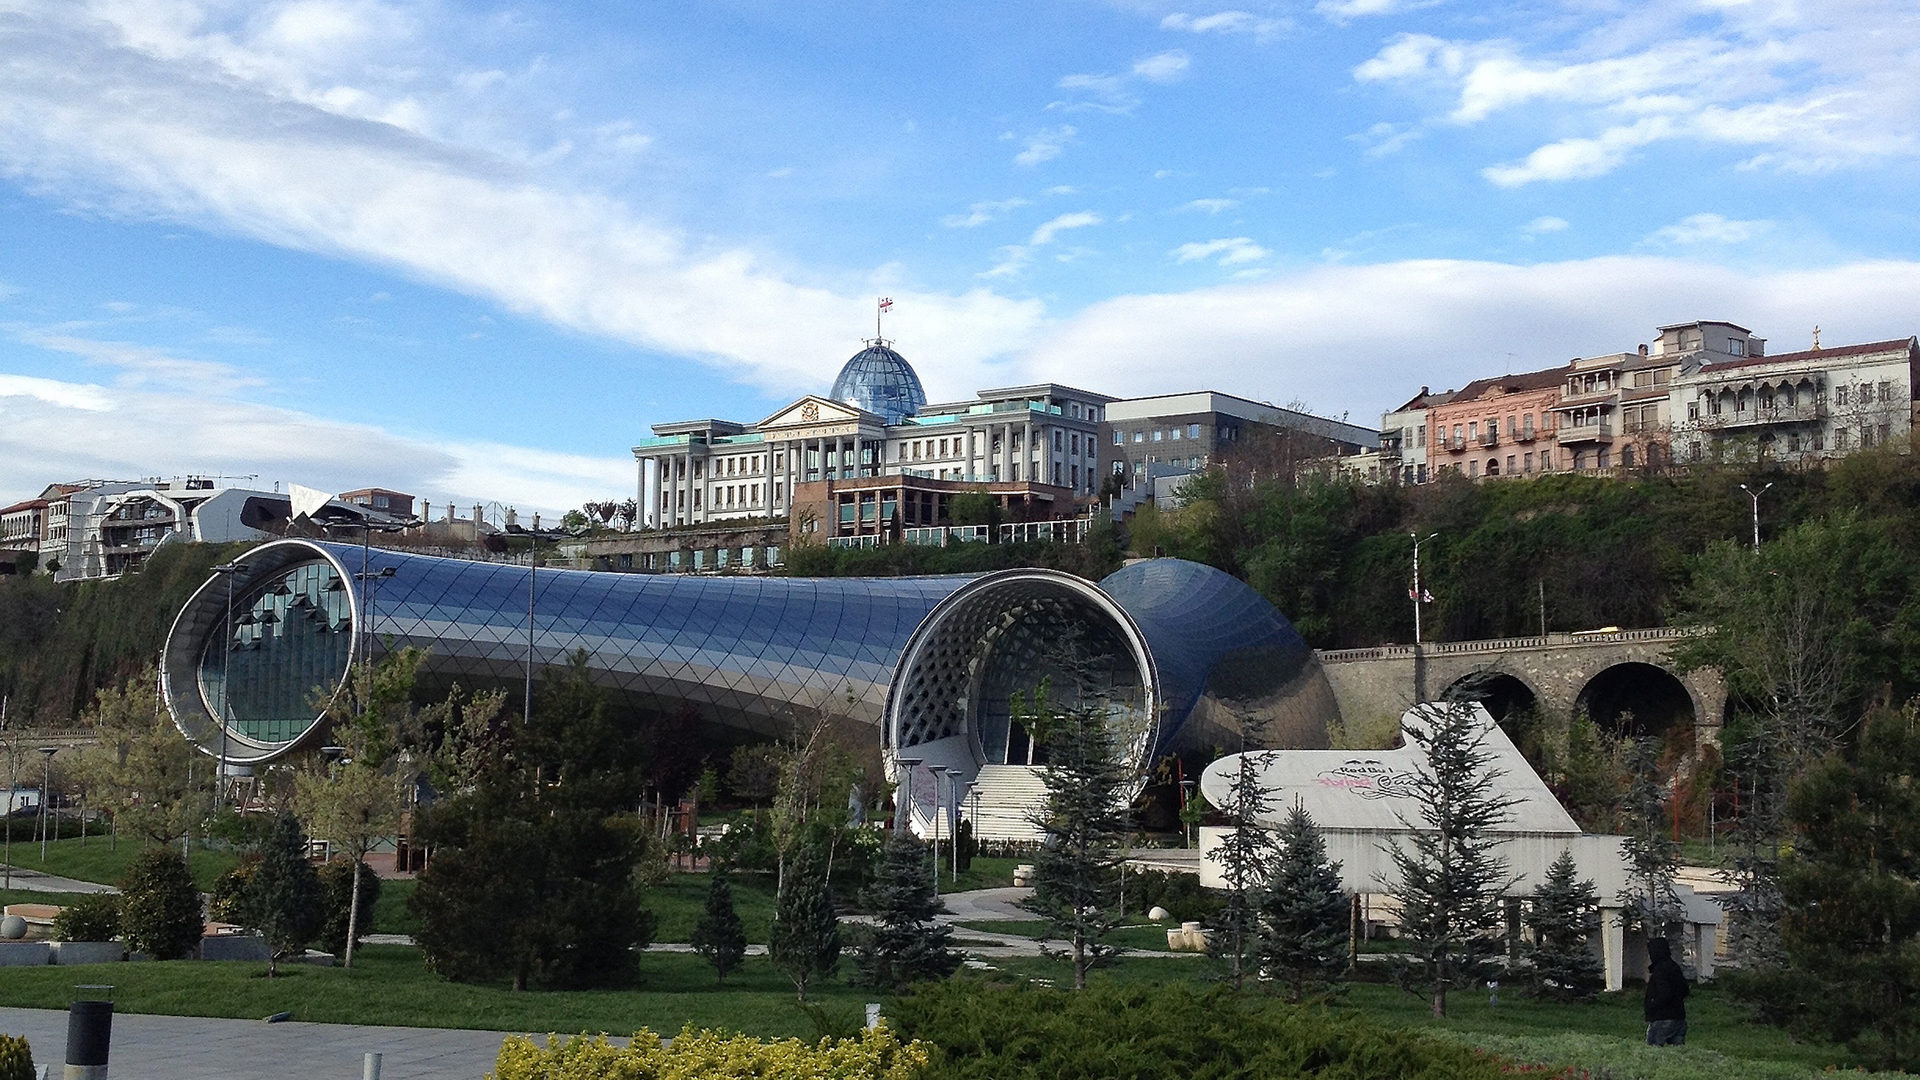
[749,651]
[1222,654]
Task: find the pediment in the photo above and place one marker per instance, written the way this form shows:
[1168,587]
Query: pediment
[814,409]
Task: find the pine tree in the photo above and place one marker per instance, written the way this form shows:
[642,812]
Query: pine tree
[1304,915]
[1246,856]
[1650,904]
[719,935]
[1076,871]
[1563,915]
[283,895]
[904,945]
[1451,882]
[806,930]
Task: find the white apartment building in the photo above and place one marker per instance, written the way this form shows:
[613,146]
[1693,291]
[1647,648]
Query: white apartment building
[1819,403]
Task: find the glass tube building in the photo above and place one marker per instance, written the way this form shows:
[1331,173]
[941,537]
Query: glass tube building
[1176,653]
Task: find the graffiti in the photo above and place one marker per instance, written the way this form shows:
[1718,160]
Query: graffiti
[1370,779]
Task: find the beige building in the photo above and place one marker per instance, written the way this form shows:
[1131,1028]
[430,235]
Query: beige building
[1800,406]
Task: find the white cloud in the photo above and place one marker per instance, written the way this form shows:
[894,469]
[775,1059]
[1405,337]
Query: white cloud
[1236,251]
[142,365]
[980,213]
[1211,206]
[1260,27]
[1541,226]
[1079,219]
[1384,138]
[1791,87]
[1272,338]
[1164,67]
[1342,11]
[187,126]
[1044,145]
[1709,229]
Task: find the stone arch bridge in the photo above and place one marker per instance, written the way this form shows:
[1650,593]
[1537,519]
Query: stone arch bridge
[1623,679]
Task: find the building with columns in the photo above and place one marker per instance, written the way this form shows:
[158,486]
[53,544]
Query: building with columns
[873,456]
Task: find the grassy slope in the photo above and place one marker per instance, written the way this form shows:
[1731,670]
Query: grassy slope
[103,860]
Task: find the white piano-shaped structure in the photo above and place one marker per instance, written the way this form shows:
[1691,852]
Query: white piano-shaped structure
[1362,800]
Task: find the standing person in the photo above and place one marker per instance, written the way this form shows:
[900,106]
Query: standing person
[1666,1003]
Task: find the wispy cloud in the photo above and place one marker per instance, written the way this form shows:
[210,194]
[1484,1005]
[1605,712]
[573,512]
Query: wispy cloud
[1211,206]
[980,213]
[1541,226]
[1260,27]
[1119,93]
[1079,219]
[1709,229]
[1794,87]
[1386,138]
[1044,145]
[1236,251]
[1343,11]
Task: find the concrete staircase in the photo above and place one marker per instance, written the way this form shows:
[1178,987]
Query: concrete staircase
[1008,797]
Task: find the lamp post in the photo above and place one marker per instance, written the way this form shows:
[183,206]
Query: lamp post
[533,578]
[1756,511]
[938,814]
[903,802]
[953,834]
[228,571]
[1418,595]
[46,787]
[13,786]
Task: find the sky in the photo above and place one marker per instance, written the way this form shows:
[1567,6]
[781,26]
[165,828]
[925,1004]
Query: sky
[472,251]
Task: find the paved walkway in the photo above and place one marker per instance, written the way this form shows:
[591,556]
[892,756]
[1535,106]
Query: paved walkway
[32,880]
[198,1048]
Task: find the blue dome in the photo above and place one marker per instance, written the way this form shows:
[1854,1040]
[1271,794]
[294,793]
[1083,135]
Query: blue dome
[880,381]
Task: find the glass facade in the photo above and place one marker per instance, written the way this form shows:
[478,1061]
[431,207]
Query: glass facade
[289,646]
[880,381]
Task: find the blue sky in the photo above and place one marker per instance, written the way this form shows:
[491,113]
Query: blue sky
[473,250]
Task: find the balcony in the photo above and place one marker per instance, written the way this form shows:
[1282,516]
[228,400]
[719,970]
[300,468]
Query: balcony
[1783,414]
[1524,435]
[1451,446]
[1490,439]
[1586,433]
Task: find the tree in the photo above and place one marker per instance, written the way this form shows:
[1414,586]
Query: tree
[1076,870]
[352,805]
[904,945]
[283,895]
[1650,903]
[536,845]
[975,506]
[1563,916]
[1246,855]
[1850,921]
[1304,914]
[146,773]
[806,930]
[1450,881]
[719,935]
[159,907]
[346,905]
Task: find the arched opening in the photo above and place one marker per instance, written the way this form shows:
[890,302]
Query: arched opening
[1512,704]
[1635,700]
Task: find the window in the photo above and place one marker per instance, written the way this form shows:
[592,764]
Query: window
[1866,436]
[1473,468]
[1193,431]
[1737,346]
[1819,440]
[1509,464]
[1158,435]
[1693,410]
[1602,455]
[1886,392]
[1626,457]
[1139,436]
[1058,440]
[1840,438]
[1840,394]
[1528,460]
[1884,432]
[1457,441]
[1793,443]
[1420,436]
[1119,437]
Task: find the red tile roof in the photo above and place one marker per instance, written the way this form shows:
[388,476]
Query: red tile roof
[1814,354]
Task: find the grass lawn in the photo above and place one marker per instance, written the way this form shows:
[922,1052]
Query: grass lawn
[680,902]
[389,985]
[102,860]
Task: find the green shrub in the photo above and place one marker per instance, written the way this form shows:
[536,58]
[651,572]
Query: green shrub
[91,917]
[16,1058]
[875,1054]
[977,1031]
[1180,893]
[227,902]
[336,897]
[160,908]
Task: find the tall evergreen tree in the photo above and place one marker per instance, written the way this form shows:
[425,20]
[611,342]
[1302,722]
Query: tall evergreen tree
[806,930]
[1450,881]
[1562,916]
[1304,917]
[283,894]
[1076,871]
[1246,856]
[904,945]
[719,935]
[1650,903]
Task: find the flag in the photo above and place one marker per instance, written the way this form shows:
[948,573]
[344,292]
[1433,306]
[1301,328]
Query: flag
[1421,595]
[886,303]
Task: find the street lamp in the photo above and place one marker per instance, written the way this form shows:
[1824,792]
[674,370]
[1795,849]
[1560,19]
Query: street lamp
[903,800]
[228,571]
[13,787]
[533,577]
[1756,511]
[953,834]
[46,786]
[1418,596]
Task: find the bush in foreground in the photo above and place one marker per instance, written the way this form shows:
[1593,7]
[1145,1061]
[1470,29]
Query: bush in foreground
[16,1058]
[976,1031]
[159,907]
[92,917]
[876,1054]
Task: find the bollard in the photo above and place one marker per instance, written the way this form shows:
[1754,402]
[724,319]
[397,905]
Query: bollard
[89,1033]
[370,1070]
[873,1014]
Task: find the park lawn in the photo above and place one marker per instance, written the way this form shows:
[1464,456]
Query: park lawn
[982,873]
[101,859]
[389,985]
[682,899]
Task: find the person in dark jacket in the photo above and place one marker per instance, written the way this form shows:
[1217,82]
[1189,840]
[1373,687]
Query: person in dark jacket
[1666,1003]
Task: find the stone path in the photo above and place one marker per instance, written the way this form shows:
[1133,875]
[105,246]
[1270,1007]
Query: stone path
[200,1048]
[31,880]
